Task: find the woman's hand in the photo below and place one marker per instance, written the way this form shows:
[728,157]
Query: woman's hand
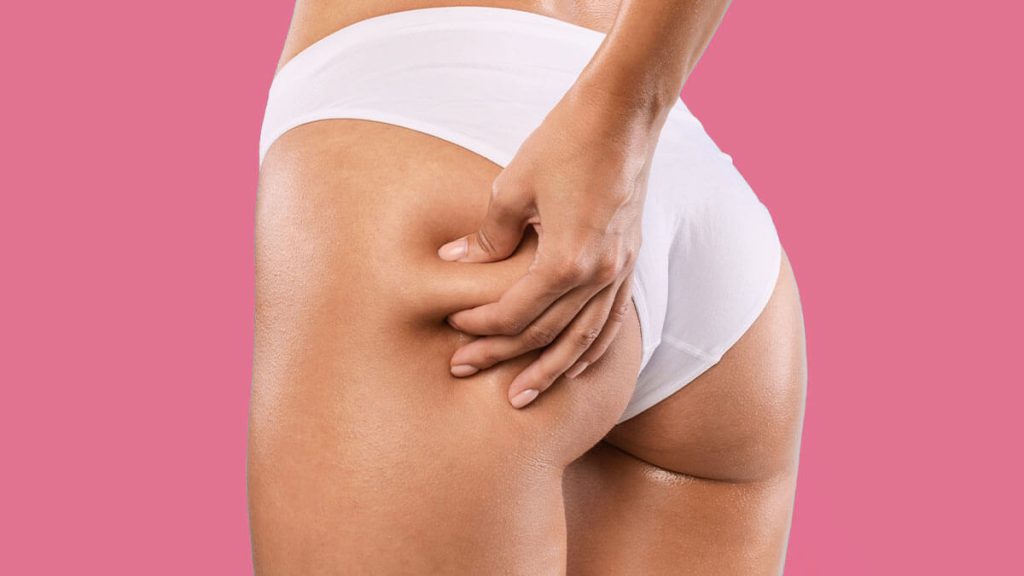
[580,179]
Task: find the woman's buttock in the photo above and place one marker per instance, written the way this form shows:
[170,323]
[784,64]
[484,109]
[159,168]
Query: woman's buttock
[350,216]
[365,454]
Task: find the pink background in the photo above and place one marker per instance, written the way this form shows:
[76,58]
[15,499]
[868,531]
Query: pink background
[884,136]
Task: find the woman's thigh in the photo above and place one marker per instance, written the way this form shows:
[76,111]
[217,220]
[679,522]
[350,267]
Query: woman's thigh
[365,455]
[704,482]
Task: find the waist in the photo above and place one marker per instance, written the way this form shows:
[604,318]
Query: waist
[315,20]
[488,74]
[435,28]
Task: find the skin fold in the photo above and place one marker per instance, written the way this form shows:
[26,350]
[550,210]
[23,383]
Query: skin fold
[368,456]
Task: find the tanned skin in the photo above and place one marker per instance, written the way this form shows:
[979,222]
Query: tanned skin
[370,455]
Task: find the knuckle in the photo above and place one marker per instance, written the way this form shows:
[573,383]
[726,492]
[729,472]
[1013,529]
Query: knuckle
[618,312]
[538,335]
[503,181]
[506,190]
[568,271]
[485,242]
[607,270]
[508,325]
[587,337]
[498,186]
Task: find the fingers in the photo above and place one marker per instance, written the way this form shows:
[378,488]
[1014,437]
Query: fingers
[611,329]
[482,353]
[544,283]
[498,235]
[570,345]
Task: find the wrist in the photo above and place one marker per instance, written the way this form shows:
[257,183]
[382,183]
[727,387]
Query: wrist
[641,106]
[637,81]
[601,128]
[632,120]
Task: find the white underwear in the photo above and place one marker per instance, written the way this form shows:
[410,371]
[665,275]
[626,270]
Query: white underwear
[483,78]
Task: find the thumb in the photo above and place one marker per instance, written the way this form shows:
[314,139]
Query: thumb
[498,235]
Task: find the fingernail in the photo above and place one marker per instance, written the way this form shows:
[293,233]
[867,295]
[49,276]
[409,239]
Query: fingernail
[461,370]
[524,398]
[454,250]
[452,323]
[575,370]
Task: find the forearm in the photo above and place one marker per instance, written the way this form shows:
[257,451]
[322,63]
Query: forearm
[649,53]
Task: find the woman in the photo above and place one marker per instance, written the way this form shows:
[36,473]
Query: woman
[516,313]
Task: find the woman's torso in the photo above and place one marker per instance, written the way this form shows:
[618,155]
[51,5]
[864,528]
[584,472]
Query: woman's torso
[315,19]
